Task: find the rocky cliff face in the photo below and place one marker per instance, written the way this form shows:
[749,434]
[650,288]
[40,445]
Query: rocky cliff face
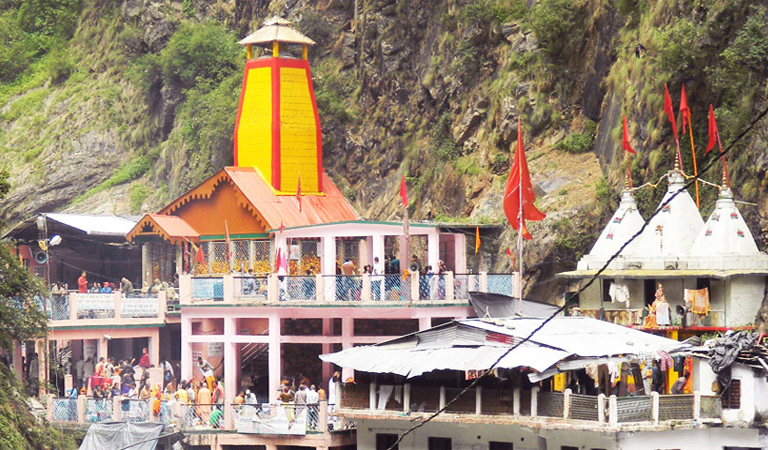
[145,106]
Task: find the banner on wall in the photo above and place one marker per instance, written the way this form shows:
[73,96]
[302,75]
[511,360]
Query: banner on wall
[215,349]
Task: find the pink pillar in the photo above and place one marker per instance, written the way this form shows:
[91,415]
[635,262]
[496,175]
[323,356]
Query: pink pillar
[186,349]
[425,323]
[154,347]
[230,369]
[461,253]
[433,249]
[327,347]
[275,362]
[347,335]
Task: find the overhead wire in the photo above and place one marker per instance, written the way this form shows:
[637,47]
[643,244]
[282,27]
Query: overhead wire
[592,279]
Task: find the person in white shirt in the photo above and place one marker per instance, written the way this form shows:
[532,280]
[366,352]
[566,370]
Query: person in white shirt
[377,285]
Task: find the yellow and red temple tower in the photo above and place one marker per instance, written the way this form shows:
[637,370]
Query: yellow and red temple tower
[278,127]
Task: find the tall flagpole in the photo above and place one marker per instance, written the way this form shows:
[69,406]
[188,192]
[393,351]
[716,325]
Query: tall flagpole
[520,229]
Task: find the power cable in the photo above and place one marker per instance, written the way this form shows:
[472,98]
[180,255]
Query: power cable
[588,284]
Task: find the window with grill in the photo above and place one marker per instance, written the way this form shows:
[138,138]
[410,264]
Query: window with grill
[731,397]
[440,443]
[385,441]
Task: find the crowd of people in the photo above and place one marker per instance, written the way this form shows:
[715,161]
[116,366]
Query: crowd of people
[124,285]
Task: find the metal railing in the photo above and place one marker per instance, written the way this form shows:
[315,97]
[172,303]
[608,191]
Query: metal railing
[501,284]
[550,404]
[464,283]
[635,409]
[135,410]
[301,288]
[201,416]
[64,410]
[98,410]
[59,309]
[675,407]
[432,287]
[251,287]
[584,407]
[208,288]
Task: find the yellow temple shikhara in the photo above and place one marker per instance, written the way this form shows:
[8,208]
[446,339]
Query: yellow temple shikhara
[278,127]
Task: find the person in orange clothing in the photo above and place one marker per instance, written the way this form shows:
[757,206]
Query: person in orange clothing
[82,284]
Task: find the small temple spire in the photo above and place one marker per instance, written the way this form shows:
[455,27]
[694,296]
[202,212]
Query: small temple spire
[276,31]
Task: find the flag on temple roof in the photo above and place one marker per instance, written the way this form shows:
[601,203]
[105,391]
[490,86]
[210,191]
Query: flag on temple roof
[669,110]
[403,192]
[684,109]
[712,130]
[477,239]
[519,196]
[625,139]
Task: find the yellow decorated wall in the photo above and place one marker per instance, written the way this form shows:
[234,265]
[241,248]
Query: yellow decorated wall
[298,132]
[254,132]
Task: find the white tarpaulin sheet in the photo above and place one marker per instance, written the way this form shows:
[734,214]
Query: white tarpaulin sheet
[115,435]
[277,419]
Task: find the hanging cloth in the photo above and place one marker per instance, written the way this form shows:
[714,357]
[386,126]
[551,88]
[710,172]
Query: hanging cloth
[698,299]
[619,292]
[662,314]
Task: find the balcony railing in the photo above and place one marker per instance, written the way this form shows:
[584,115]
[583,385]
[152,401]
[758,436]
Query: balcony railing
[518,403]
[110,308]
[281,419]
[634,317]
[275,288]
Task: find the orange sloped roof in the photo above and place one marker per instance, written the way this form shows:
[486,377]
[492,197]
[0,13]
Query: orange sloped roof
[329,207]
[256,195]
[171,228]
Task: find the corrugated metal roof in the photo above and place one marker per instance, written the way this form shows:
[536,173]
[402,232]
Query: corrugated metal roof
[560,339]
[651,274]
[276,29]
[171,228]
[98,225]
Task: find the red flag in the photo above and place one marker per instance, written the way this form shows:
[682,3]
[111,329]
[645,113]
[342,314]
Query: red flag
[712,130]
[684,109]
[403,192]
[519,188]
[669,110]
[281,226]
[278,260]
[200,256]
[298,192]
[625,140]
[509,252]
[186,258]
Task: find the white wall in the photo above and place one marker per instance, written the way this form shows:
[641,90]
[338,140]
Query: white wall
[745,294]
[746,413]
[699,439]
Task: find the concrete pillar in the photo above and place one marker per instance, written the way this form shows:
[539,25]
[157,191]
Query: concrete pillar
[185,289]
[69,382]
[460,263]
[377,247]
[613,411]
[406,397]
[655,407]
[516,401]
[347,336]
[327,348]
[230,369]
[322,416]
[696,405]
[433,248]
[49,405]
[275,362]
[81,401]
[154,347]
[273,288]
[186,349]
[478,400]
[483,282]
[328,258]
[535,401]
[403,255]
[229,288]
[116,408]
[414,286]
[601,408]
[162,305]
[567,403]
[372,396]
[103,350]
[442,397]
[364,256]
[118,305]
[449,292]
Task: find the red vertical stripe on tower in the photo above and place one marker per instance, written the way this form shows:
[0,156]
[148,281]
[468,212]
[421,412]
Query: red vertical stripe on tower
[276,182]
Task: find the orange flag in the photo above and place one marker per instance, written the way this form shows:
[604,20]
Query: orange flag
[519,188]
[477,239]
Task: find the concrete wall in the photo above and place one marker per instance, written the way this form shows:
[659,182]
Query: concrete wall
[467,436]
[745,294]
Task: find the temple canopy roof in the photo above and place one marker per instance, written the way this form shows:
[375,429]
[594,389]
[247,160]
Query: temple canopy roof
[170,228]
[626,221]
[276,29]
[272,207]
[673,230]
[725,233]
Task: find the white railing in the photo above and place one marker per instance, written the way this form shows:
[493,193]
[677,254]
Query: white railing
[105,306]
